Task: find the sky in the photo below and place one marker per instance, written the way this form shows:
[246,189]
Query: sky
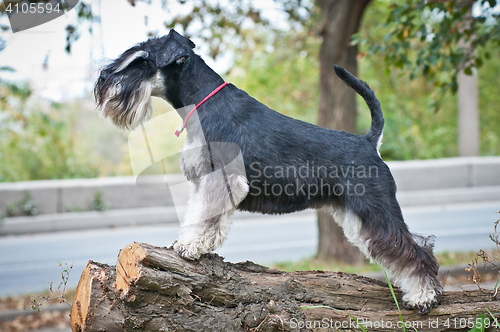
[68,76]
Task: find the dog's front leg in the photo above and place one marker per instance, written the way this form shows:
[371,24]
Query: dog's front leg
[212,200]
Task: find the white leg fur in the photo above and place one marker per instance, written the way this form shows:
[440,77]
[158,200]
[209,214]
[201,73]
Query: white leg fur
[207,224]
[351,225]
[418,291]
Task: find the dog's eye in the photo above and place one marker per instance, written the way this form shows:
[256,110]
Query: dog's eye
[144,64]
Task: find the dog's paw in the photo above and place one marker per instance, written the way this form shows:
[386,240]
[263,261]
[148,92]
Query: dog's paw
[170,247]
[423,308]
[423,301]
[186,251]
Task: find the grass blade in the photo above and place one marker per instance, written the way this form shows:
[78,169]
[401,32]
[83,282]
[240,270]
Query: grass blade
[494,318]
[395,300]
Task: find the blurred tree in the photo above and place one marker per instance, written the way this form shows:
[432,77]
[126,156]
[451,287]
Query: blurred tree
[438,39]
[451,32]
[412,129]
[37,140]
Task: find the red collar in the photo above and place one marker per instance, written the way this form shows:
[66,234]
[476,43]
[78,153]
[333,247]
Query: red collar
[181,128]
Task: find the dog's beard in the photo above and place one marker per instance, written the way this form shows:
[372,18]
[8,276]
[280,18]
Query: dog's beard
[127,109]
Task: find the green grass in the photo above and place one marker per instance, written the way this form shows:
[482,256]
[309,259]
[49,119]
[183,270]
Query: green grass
[311,264]
[395,301]
[455,258]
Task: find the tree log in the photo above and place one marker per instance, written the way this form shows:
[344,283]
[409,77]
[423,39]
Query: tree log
[153,289]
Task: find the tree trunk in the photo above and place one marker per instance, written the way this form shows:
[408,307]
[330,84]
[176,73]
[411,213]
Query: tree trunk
[153,289]
[337,106]
[332,243]
[468,102]
[468,114]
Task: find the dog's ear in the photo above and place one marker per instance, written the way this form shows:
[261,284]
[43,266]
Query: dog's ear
[182,60]
[175,48]
[181,39]
[169,56]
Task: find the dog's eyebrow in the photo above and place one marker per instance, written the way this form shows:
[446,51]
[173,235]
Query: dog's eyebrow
[130,59]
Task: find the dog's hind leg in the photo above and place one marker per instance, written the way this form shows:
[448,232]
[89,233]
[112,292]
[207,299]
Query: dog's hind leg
[206,224]
[407,258]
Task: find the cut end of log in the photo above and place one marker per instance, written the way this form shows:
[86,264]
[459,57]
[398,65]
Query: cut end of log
[80,316]
[79,309]
[128,267]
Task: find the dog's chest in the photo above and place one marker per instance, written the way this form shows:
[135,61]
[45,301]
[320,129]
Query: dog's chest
[194,158]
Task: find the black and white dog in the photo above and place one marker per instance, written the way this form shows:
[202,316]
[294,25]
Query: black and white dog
[290,165]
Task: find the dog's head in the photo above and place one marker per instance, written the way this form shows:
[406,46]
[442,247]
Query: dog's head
[125,86]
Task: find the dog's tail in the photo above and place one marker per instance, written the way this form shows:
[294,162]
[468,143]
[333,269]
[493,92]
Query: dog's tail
[375,133]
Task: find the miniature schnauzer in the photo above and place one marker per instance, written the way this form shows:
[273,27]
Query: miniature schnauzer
[290,165]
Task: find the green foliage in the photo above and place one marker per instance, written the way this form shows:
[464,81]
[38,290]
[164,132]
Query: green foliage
[289,83]
[224,25]
[37,141]
[96,204]
[413,130]
[84,14]
[479,324]
[437,39]
[495,320]
[11,93]
[61,287]
[489,104]
[285,78]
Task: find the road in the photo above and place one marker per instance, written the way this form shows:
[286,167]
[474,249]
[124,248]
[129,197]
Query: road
[29,262]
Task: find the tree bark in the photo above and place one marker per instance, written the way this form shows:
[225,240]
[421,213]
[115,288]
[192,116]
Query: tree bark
[337,106]
[153,289]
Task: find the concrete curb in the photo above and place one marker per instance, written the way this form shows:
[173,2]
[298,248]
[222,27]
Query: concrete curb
[459,172]
[448,196]
[420,183]
[62,196]
[91,220]
[171,216]
[165,216]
